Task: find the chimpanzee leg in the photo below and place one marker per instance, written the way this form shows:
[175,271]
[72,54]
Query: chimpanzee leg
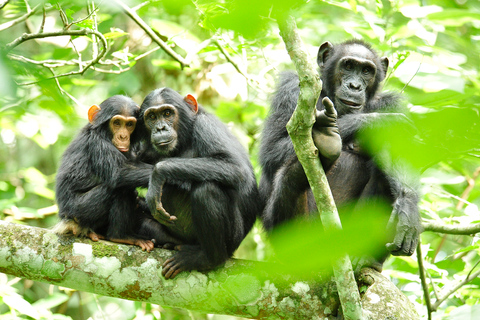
[151,229]
[211,214]
[373,200]
[90,209]
[289,183]
[122,220]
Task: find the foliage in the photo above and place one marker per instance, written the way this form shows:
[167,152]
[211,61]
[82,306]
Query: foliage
[232,54]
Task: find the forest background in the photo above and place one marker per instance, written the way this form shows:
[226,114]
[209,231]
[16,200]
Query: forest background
[228,54]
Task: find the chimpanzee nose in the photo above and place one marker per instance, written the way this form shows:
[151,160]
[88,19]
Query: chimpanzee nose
[354,86]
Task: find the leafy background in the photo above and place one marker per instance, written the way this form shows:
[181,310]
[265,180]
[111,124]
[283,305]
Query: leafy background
[234,53]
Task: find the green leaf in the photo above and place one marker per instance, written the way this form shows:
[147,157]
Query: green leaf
[166,64]
[51,301]
[16,302]
[88,24]
[454,17]
[115,33]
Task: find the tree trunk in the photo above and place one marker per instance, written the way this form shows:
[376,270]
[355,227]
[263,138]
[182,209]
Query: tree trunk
[242,288]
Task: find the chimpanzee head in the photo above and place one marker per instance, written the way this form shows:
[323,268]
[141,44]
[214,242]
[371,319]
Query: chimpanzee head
[168,119]
[351,74]
[115,119]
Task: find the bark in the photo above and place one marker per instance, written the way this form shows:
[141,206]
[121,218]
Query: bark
[242,288]
[300,130]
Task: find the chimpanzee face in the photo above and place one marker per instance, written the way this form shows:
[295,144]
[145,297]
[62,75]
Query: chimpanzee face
[118,115]
[352,73]
[122,128]
[162,122]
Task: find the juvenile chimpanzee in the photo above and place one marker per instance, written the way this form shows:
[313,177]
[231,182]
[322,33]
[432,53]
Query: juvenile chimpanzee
[96,181]
[203,188]
[351,73]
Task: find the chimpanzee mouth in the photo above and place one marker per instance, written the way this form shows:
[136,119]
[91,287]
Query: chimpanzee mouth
[350,103]
[122,149]
[164,143]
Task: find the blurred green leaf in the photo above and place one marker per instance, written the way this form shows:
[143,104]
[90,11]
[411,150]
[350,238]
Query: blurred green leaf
[454,17]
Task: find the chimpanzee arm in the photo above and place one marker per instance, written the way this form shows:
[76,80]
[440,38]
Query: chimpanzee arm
[289,183]
[200,170]
[405,217]
[114,168]
[351,124]
[136,174]
[221,171]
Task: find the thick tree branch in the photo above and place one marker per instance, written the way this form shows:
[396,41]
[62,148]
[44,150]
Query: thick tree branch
[242,288]
[300,130]
[134,16]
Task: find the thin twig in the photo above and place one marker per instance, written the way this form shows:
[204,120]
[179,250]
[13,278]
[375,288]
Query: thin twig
[3,4]
[469,278]
[13,22]
[229,59]
[67,26]
[133,15]
[469,188]
[82,32]
[421,271]
[42,26]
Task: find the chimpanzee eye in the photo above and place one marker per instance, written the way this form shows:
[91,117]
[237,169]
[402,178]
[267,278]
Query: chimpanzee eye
[367,70]
[116,122]
[152,116]
[167,113]
[129,124]
[348,65]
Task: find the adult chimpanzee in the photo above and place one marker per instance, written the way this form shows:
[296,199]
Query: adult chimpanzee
[203,188]
[96,181]
[351,73]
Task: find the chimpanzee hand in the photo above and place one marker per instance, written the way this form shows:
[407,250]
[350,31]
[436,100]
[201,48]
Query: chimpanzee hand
[407,229]
[154,200]
[326,135]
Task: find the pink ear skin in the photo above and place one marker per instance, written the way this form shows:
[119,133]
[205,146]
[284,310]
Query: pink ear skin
[192,102]
[92,112]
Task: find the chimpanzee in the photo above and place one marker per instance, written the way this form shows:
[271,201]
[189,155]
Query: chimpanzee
[203,188]
[96,181]
[351,73]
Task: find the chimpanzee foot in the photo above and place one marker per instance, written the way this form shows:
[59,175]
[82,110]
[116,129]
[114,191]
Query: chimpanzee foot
[95,236]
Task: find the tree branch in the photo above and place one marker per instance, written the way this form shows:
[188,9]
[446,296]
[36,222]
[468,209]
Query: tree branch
[421,271]
[451,291]
[451,228]
[13,22]
[134,16]
[242,288]
[82,32]
[300,131]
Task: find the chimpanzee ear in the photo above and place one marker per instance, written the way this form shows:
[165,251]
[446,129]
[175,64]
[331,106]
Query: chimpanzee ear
[92,112]
[384,62]
[323,52]
[192,102]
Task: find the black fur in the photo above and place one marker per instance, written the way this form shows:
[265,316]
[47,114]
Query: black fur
[355,175]
[207,182]
[95,184]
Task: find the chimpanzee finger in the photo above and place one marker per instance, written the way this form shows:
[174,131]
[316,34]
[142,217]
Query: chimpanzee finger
[329,107]
[176,272]
[397,242]
[170,268]
[392,220]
